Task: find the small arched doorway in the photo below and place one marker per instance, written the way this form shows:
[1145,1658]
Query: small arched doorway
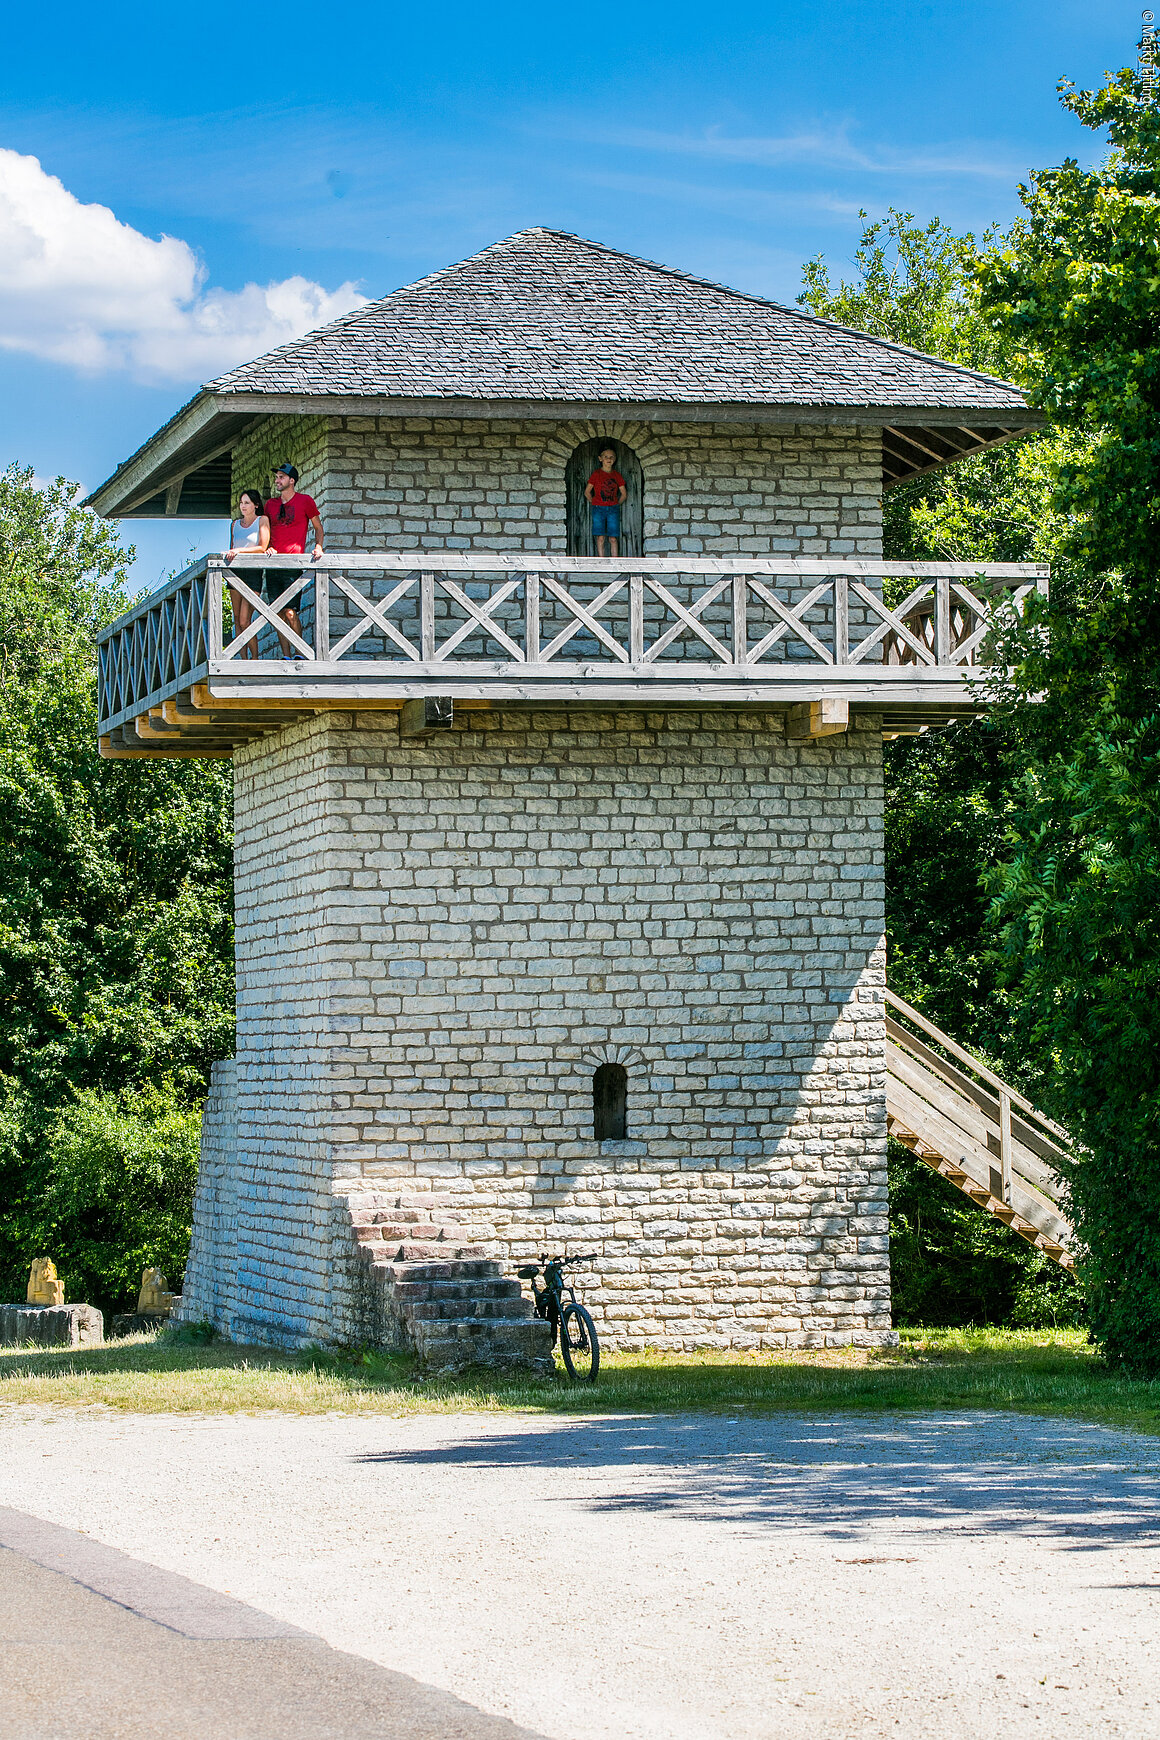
[584,461]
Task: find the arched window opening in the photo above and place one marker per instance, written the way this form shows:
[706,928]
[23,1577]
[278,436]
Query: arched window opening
[584,461]
[610,1103]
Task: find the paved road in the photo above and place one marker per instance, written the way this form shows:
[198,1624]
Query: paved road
[96,1645]
[672,1578]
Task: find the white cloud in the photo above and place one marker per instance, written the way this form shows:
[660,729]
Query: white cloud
[758,206]
[79,287]
[826,148]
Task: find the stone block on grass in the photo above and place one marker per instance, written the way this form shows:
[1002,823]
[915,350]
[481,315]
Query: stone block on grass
[51,1326]
[137,1322]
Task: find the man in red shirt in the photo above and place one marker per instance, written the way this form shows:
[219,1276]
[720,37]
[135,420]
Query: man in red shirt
[291,516]
[607,493]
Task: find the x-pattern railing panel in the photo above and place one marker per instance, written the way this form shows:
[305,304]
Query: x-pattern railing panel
[893,622]
[267,613]
[788,619]
[376,614]
[487,612]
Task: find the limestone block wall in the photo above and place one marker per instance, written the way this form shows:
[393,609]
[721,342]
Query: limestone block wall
[455,483]
[441,939]
[211,1272]
[304,441]
[710,488]
[281,1263]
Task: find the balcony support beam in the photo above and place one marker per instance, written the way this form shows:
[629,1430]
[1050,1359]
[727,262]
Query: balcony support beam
[422,718]
[812,719]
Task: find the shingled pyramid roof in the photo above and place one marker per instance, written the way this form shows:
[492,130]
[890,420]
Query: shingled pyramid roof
[546,324]
[548,316]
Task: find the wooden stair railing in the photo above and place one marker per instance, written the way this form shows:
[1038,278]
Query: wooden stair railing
[975,1130]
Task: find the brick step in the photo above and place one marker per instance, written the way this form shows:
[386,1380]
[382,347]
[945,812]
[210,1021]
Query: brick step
[470,1269]
[449,1345]
[423,1252]
[417,1291]
[496,1310]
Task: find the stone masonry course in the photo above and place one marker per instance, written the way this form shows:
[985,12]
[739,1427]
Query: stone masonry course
[458,484]
[441,939]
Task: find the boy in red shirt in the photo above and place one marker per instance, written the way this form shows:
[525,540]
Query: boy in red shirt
[606,492]
[290,515]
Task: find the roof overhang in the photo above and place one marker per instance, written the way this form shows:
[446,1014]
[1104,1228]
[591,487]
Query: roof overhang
[183,471]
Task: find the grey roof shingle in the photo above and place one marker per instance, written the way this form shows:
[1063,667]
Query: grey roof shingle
[548,316]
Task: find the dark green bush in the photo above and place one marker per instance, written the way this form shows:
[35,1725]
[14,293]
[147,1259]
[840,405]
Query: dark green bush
[119,1192]
[952,1266]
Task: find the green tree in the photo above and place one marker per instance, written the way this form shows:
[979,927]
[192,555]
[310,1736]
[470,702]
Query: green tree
[115,917]
[118,1193]
[1074,290]
[950,795]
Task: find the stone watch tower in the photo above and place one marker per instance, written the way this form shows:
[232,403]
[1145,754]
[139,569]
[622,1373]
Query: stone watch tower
[559,879]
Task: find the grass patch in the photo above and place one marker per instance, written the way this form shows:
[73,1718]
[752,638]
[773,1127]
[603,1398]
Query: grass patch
[1030,1371]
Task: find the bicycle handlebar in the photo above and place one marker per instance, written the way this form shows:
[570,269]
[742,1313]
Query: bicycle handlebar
[566,1262]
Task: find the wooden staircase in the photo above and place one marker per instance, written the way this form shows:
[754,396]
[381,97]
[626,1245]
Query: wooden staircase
[975,1130]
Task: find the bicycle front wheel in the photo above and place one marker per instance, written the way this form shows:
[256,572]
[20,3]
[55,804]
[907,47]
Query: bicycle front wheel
[579,1344]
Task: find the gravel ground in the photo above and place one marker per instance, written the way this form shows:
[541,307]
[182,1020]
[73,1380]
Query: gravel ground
[661,1578]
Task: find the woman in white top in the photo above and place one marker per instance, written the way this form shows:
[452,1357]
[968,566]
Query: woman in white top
[250,531]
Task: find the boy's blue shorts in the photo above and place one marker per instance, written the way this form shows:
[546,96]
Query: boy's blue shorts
[606,522]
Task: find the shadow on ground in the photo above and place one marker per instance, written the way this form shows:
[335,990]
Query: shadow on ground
[1081,1487]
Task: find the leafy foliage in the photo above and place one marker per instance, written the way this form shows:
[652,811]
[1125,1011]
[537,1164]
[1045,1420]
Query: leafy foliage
[952,1265]
[115,917]
[914,285]
[118,1194]
[1074,289]
[950,795]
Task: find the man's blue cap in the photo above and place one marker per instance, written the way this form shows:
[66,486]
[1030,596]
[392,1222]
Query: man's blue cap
[290,470]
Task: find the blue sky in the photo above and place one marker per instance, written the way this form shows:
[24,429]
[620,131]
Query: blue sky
[317,155]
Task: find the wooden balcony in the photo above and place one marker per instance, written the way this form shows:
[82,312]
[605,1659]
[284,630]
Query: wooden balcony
[383,628]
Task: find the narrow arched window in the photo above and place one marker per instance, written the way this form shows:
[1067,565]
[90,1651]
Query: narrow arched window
[584,461]
[610,1103]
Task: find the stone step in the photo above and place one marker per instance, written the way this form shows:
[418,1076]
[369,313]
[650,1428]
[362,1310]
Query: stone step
[373,1232]
[450,1301]
[413,1226]
[470,1269]
[495,1310]
[420,1253]
[406,1291]
[511,1332]
[451,1345]
[383,1228]
[422,1249]
[367,1214]
[404,1208]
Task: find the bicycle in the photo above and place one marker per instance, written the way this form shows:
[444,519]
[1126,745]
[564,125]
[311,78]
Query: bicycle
[570,1321]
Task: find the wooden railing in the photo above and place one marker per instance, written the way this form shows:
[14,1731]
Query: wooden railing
[519,626]
[974,1128]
